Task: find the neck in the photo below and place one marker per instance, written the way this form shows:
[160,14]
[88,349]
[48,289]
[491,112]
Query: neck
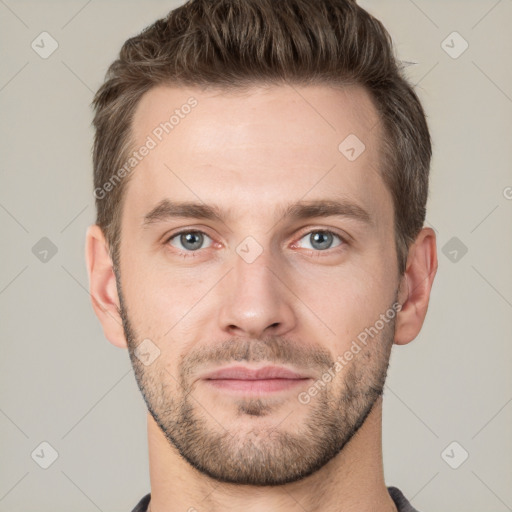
[352,481]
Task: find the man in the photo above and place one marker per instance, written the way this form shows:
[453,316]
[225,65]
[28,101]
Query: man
[261,174]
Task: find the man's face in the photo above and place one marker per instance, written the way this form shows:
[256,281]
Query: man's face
[257,287]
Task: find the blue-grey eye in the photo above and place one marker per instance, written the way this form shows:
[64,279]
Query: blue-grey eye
[321,240]
[189,240]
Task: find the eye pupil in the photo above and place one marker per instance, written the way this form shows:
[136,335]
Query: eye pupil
[322,238]
[194,239]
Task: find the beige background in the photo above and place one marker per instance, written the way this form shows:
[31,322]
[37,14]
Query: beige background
[62,383]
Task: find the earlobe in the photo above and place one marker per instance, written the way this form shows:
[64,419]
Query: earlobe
[415,286]
[103,286]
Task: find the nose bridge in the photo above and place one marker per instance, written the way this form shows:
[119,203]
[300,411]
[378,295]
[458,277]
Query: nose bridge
[253,297]
[254,269]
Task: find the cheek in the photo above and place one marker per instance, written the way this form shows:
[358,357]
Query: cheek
[149,298]
[349,300]
[166,304]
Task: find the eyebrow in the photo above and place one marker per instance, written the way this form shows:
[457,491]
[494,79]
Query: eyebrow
[300,210]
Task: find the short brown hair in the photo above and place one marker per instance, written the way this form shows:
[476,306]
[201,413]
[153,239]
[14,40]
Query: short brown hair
[239,43]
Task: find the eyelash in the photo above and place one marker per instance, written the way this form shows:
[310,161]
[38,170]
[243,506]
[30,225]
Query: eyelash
[312,252]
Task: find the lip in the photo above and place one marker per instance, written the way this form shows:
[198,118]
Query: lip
[258,381]
[245,373]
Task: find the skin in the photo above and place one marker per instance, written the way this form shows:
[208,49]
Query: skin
[299,304]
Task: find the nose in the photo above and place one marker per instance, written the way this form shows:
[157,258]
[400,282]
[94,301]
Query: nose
[255,299]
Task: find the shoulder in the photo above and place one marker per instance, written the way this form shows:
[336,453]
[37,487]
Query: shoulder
[401,502]
[143,504]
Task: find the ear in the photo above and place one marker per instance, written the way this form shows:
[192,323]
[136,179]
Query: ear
[103,286]
[415,286]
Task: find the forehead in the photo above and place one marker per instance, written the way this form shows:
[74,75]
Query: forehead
[256,148]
